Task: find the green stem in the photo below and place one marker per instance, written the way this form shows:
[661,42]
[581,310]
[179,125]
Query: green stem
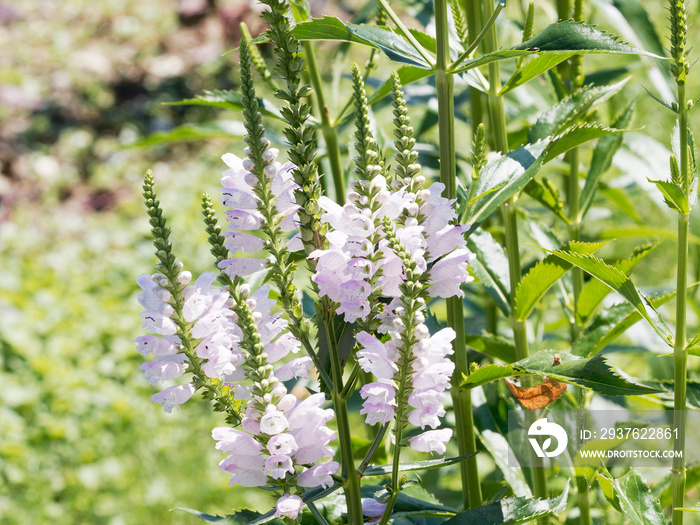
[378,439]
[406,33]
[510,221]
[473,44]
[680,356]
[330,133]
[466,441]
[351,478]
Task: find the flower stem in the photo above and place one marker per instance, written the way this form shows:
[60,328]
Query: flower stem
[680,358]
[330,133]
[461,399]
[680,68]
[351,478]
[510,221]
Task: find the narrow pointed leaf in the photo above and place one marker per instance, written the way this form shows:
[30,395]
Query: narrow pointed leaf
[674,196]
[554,120]
[384,39]
[503,177]
[576,136]
[191,132]
[535,67]
[491,268]
[610,324]
[492,345]
[381,470]
[562,37]
[227,99]
[593,373]
[545,193]
[603,154]
[543,275]
[511,511]
[595,291]
[622,284]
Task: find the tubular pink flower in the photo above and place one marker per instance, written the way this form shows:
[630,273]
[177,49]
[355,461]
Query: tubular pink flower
[173,396]
[164,368]
[431,441]
[278,466]
[288,506]
[318,475]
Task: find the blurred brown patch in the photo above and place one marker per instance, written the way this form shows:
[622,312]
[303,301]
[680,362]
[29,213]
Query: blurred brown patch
[539,396]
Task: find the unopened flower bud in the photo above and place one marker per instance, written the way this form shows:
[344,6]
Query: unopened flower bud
[418,318]
[421,332]
[420,179]
[248,165]
[265,142]
[257,317]
[247,151]
[353,196]
[364,200]
[245,290]
[250,179]
[252,303]
[272,170]
[271,155]
[184,278]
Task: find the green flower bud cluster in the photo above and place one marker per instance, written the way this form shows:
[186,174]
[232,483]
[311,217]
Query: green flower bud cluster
[368,162]
[407,159]
[300,135]
[679,28]
[175,280]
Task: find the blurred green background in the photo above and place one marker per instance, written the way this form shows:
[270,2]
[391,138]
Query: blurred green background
[81,82]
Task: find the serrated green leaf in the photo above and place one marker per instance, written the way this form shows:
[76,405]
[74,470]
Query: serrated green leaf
[227,99]
[577,135]
[593,373]
[492,345]
[381,470]
[674,196]
[511,510]
[502,177]
[622,284]
[637,503]
[603,154]
[192,132]
[562,37]
[611,323]
[382,38]
[490,267]
[554,120]
[534,68]
[545,193]
[595,291]
[490,372]
[543,275]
